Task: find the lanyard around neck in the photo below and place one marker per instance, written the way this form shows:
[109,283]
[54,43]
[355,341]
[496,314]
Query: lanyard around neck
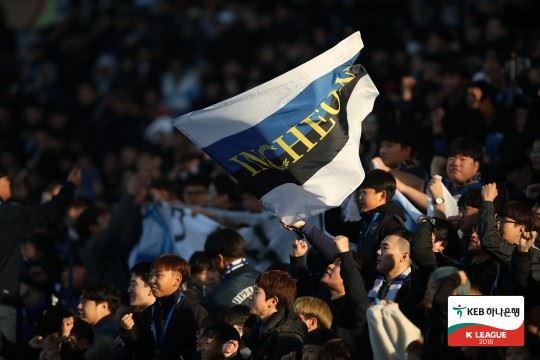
[167,321]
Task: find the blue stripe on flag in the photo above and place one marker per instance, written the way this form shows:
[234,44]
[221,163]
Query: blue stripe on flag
[279,122]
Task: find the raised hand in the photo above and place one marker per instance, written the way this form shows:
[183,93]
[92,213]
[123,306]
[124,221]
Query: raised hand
[127,322]
[342,243]
[378,163]
[489,192]
[297,226]
[526,241]
[299,248]
[435,186]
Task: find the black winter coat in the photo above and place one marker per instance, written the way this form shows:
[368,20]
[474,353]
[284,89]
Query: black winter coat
[179,340]
[281,334]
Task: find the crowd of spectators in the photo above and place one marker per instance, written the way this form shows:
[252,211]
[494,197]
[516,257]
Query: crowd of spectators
[91,97]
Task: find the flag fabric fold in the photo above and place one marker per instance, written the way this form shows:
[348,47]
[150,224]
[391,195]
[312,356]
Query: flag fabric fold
[294,140]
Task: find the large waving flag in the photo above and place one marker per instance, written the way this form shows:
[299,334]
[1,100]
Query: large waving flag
[293,140]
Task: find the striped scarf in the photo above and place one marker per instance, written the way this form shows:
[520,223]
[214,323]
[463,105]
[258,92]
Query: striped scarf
[388,291]
[234,265]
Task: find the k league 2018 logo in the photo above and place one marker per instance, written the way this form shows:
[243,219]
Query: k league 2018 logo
[485,321]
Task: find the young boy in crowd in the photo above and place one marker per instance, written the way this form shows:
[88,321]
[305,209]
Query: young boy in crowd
[167,329]
[277,331]
[380,217]
[462,174]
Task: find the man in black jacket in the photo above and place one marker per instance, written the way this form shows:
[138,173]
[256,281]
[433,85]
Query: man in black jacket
[227,248]
[16,223]
[167,329]
[499,236]
[277,331]
[380,217]
[348,297]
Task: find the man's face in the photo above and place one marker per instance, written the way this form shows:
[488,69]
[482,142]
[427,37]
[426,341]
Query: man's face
[431,289]
[331,278]
[210,348]
[165,282]
[389,254]
[509,229]
[5,188]
[207,277]
[140,294]
[368,199]
[460,168]
[474,242]
[310,352]
[474,97]
[469,217]
[92,312]
[196,195]
[261,306]
[536,215]
[394,154]
[215,199]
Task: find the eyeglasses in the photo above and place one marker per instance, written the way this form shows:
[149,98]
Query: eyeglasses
[501,220]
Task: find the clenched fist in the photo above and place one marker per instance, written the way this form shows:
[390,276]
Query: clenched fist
[127,322]
[342,243]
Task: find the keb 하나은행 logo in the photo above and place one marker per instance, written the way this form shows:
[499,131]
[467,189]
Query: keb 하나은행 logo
[486,321]
[459,310]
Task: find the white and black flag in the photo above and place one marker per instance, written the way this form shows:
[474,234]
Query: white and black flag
[293,140]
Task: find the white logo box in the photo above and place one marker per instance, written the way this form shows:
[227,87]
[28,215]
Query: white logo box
[486,320]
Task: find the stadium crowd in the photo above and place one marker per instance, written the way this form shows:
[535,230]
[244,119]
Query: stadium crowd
[120,239]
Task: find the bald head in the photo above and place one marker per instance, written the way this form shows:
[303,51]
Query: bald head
[393,256]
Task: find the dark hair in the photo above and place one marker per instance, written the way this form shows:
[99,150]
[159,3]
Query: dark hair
[402,233]
[225,185]
[237,315]
[164,184]
[399,135]
[194,180]
[199,262]
[279,284]
[86,219]
[380,180]
[466,148]
[221,332]
[174,263]
[3,172]
[142,269]
[51,320]
[225,242]
[83,331]
[319,337]
[519,212]
[472,198]
[100,293]
[445,231]
[335,349]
